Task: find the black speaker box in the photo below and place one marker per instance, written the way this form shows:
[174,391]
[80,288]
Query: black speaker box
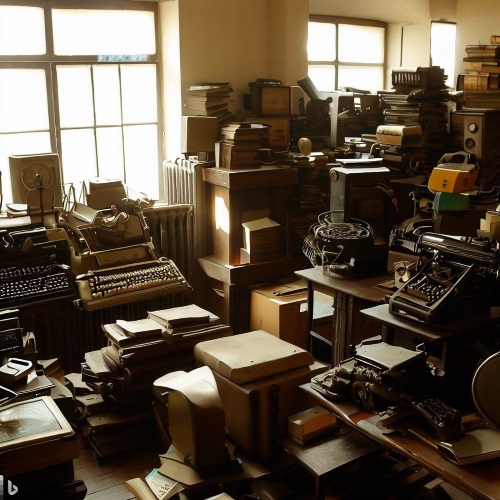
[478,132]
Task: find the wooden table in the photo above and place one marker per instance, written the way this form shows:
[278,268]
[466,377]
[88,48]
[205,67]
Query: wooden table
[479,480]
[456,347]
[349,296]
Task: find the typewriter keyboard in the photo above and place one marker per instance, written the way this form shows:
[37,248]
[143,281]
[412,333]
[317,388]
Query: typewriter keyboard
[427,289]
[133,277]
[31,286]
[15,272]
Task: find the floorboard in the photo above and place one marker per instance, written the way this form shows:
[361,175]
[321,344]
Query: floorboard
[107,480]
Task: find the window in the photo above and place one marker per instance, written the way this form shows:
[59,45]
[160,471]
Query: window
[443,48]
[346,53]
[83,83]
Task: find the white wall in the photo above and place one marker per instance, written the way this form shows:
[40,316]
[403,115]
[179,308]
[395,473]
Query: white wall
[241,40]
[231,40]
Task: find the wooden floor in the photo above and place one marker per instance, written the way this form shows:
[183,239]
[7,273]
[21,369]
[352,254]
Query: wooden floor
[107,481]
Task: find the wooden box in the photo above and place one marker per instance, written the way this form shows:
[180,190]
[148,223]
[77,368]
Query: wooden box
[270,100]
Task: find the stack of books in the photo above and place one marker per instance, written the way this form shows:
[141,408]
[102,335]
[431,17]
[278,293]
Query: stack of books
[111,433]
[208,99]
[114,391]
[482,66]
[425,107]
[480,81]
[403,147]
[240,143]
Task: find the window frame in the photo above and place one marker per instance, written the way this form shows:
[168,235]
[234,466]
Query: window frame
[49,61]
[453,81]
[336,20]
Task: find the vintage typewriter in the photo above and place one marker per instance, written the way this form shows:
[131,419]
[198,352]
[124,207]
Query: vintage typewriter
[119,264]
[34,266]
[128,274]
[455,277]
[395,382]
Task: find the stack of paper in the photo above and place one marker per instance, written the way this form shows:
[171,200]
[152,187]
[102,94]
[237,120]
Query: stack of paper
[490,225]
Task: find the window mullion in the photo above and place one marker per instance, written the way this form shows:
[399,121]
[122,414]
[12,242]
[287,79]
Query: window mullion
[336,64]
[95,118]
[122,122]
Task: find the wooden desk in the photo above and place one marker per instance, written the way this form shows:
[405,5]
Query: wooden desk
[349,296]
[456,347]
[479,480]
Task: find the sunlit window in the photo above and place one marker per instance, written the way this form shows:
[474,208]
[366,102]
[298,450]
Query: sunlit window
[84,86]
[344,54]
[22,30]
[84,31]
[443,48]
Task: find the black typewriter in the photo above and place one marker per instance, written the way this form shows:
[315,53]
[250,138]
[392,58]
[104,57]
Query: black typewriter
[455,277]
[34,266]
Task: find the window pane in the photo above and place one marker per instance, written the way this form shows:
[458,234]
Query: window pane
[78,155]
[141,159]
[361,77]
[22,30]
[74,86]
[23,100]
[139,93]
[103,32]
[443,49]
[323,77]
[321,42]
[19,144]
[361,44]
[110,153]
[107,95]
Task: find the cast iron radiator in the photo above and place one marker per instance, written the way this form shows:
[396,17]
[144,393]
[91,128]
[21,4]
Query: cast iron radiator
[171,229]
[179,181]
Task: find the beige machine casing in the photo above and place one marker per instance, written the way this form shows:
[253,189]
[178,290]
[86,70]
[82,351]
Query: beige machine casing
[257,376]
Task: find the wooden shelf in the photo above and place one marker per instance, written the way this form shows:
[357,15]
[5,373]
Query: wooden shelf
[263,177]
[246,274]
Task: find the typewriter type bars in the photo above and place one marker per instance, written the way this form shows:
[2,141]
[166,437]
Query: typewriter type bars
[129,283]
[33,282]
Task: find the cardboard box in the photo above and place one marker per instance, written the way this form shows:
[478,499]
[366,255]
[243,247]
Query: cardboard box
[281,309]
[261,235]
[199,133]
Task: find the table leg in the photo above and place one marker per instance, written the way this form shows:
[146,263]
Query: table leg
[340,322]
[310,314]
